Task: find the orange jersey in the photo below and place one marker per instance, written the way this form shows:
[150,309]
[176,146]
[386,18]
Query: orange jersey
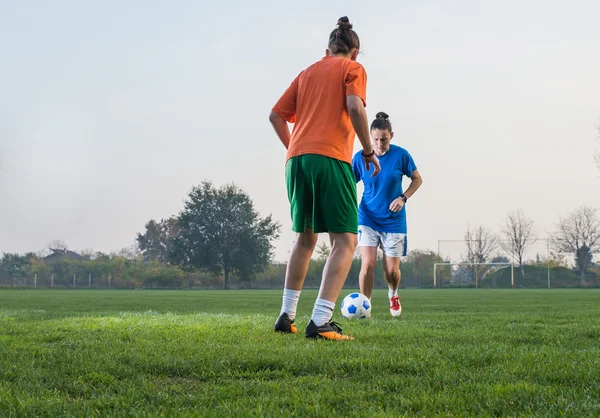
[316,103]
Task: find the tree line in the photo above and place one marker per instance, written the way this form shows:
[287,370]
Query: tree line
[219,239]
[575,237]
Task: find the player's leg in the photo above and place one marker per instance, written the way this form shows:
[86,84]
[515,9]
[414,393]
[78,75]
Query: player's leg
[368,240]
[337,213]
[301,203]
[391,266]
[394,247]
[299,259]
[338,265]
[335,272]
[295,273]
[366,278]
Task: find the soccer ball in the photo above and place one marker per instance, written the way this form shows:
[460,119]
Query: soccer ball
[356,306]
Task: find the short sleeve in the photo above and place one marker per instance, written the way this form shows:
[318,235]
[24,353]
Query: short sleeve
[356,81]
[286,105]
[408,165]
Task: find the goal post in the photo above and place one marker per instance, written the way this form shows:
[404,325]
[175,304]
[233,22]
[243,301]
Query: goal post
[468,274]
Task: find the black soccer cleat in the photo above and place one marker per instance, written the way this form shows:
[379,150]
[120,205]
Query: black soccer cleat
[327,331]
[285,324]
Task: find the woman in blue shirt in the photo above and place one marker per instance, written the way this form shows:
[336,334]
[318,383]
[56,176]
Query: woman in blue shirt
[382,211]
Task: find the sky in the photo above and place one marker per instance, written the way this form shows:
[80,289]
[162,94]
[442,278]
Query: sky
[110,112]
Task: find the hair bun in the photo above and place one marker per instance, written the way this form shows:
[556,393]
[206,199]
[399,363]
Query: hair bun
[344,22]
[382,115]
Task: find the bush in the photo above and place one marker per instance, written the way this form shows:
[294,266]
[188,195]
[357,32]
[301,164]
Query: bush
[531,277]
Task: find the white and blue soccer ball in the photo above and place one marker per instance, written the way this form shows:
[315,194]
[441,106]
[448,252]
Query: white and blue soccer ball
[356,306]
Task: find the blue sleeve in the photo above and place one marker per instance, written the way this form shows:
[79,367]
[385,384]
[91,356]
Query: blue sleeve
[408,165]
[356,168]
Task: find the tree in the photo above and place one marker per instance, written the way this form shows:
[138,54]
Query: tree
[417,270]
[132,252]
[578,235]
[221,232]
[481,244]
[156,242]
[323,251]
[63,270]
[14,264]
[38,267]
[86,253]
[58,244]
[500,259]
[584,258]
[519,233]
[99,268]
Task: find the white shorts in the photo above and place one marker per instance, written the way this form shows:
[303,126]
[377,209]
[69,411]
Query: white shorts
[393,244]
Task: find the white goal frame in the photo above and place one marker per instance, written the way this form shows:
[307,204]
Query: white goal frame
[512,271]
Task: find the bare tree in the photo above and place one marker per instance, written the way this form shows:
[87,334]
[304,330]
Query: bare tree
[481,244]
[87,253]
[519,233]
[55,245]
[130,252]
[578,235]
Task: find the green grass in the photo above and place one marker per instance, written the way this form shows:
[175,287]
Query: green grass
[213,353]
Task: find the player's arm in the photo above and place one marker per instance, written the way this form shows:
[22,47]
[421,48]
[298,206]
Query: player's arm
[358,116]
[414,185]
[281,128]
[283,112]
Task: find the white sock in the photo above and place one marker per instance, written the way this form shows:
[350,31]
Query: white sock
[392,292]
[322,312]
[290,302]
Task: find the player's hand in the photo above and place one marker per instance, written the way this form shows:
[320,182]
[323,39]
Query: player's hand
[372,159]
[397,205]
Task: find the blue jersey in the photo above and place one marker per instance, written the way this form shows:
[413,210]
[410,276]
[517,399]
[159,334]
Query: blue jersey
[379,191]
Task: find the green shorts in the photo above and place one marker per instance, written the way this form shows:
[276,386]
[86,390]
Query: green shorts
[322,194]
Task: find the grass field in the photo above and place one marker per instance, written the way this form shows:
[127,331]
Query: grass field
[213,353]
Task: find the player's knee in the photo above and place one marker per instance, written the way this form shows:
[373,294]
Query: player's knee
[353,241]
[344,242]
[392,272]
[368,265]
[307,241]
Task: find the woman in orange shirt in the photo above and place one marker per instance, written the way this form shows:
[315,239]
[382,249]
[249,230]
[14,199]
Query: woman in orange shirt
[326,103]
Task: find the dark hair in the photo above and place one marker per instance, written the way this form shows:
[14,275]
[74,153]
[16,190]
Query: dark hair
[343,39]
[382,122]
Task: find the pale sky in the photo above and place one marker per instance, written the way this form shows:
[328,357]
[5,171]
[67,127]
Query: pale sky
[111,111]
